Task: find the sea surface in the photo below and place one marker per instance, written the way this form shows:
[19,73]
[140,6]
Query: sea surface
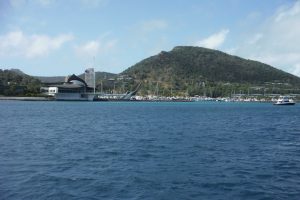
[144,150]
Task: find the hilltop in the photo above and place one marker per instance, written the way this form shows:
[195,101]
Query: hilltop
[187,68]
[201,64]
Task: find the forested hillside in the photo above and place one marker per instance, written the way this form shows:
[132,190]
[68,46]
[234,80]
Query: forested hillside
[15,83]
[194,69]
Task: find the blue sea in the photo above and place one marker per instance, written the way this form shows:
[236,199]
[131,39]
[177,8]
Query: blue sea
[149,150]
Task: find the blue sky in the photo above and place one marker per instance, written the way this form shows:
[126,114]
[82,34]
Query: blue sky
[61,37]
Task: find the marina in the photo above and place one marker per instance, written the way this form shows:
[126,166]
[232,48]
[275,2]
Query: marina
[149,100]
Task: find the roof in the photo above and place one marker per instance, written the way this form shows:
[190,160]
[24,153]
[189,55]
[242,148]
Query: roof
[69,86]
[74,77]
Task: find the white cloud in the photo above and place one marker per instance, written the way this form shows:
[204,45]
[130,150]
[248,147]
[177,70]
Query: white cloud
[214,41]
[90,48]
[277,41]
[255,39]
[41,45]
[286,12]
[30,46]
[95,47]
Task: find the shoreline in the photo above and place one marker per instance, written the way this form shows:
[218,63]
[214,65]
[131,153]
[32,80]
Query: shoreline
[26,98]
[4,98]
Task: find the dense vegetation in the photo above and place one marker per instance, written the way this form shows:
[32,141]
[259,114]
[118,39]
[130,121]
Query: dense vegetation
[16,83]
[201,71]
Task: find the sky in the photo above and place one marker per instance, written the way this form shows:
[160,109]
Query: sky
[62,37]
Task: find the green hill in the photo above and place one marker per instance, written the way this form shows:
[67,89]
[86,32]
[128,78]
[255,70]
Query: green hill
[189,69]
[16,83]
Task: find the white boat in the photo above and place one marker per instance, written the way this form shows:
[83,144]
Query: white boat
[284,100]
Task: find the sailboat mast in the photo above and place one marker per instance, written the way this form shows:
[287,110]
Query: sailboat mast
[94,76]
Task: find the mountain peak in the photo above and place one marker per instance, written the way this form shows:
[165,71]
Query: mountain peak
[186,65]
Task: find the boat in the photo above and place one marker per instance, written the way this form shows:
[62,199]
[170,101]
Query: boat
[284,100]
[128,96]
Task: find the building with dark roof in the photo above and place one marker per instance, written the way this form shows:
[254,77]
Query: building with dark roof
[76,89]
[74,84]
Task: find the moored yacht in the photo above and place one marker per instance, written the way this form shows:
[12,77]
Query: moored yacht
[284,100]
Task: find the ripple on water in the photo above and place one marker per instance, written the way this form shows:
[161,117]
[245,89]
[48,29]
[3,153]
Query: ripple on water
[75,150]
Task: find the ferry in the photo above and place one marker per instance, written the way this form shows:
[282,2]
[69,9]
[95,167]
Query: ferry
[284,100]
